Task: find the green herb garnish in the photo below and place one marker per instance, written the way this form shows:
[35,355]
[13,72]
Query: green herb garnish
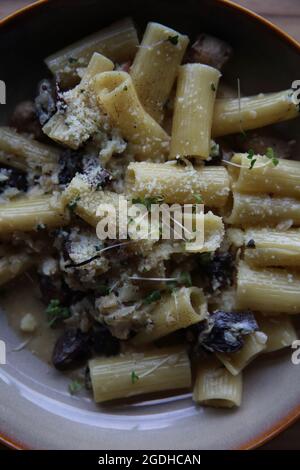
[173,39]
[74,387]
[213,87]
[55,312]
[198,198]
[134,377]
[185,279]
[271,155]
[152,297]
[147,201]
[125,88]
[250,157]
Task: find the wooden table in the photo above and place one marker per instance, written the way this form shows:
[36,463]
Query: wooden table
[286,14]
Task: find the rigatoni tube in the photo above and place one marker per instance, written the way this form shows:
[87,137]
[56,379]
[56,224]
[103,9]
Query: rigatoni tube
[118,42]
[213,233]
[271,247]
[140,373]
[26,154]
[270,290]
[82,117]
[26,214]
[176,310]
[280,331]
[262,209]
[216,386]
[178,184]
[282,179]
[254,345]
[193,113]
[155,66]
[117,96]
[237,115]
[85,201]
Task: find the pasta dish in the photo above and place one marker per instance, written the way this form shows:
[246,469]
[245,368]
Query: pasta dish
[145,124]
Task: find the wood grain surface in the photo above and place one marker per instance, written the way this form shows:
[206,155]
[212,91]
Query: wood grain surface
[286,14]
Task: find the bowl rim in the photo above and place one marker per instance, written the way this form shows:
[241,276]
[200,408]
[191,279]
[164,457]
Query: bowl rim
[294,414]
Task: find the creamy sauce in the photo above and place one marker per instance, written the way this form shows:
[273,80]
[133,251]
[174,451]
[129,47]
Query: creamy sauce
[23,297]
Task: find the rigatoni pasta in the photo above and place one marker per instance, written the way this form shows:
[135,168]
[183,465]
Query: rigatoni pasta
[165,260]
[118,42]
[193,111]
[140,373]
[176,184]
[271,290]
[176,310]
[263,209]
[238,115]
[216,386]
[155,67]
[26,154]
[28,214]
[280,331]
[213,233]
[281,180]
[255,344]
[81,119]
[117,96]
[271,247]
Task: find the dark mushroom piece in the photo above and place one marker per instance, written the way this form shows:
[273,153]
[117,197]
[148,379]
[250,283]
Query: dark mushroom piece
[210,51]
[24,119]
[45,102]
[71,348]
[224,331]
[217,271]
[104,343]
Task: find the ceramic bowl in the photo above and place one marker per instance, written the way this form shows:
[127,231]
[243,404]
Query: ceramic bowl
[37,411]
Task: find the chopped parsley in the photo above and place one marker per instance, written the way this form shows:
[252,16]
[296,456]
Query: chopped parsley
[198,198]
[173,39]
[75,387]
[55,312]
[152,297]
[213,87]
[73,204]
[271,155]
[134,377]
[250,157]
[125,88]
[147,201]
[184,279]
